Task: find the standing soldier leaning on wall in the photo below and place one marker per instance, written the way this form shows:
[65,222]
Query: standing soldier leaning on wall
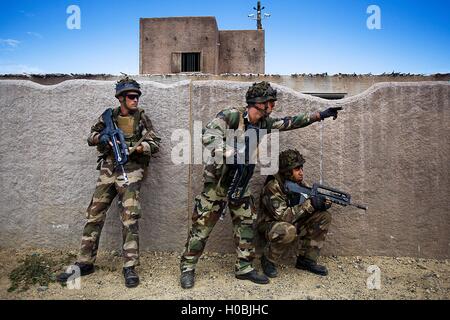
[134,124]
[260,100]
[282,220]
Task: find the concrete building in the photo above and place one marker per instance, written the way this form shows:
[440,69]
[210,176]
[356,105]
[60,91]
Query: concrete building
[195,44]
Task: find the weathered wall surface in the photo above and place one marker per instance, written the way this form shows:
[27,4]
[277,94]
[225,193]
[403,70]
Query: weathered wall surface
[349,84]
[160,37]
[389,148]
[241,51]
[229,51]
[49,172]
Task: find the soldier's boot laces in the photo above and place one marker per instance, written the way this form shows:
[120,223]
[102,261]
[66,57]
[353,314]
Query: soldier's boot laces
[254,277]
[85,269]
[311,266]
[187,279]
[131,277]
[268,267]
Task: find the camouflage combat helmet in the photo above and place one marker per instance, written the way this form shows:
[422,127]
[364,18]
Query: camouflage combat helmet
[127,84]
[261,92]
[290,159]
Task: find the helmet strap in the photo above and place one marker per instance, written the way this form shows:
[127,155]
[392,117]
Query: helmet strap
[266,107]
[124,101]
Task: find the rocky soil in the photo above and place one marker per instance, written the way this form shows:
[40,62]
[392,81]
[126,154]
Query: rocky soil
[400,278]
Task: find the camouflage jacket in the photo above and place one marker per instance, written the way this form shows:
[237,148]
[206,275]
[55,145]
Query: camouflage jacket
[214,134]
[151,145]
[274,204]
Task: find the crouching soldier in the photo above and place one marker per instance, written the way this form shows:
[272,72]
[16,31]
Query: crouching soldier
[283,219]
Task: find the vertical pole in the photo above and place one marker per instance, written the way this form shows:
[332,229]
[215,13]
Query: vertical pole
[258,20]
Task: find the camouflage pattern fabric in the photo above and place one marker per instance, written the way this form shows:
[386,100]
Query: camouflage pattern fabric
[215,132]
[260,92]
[207,210]
[280,224]
[110,184]
[312,232]
[209,203]
[278,236]
[151,144]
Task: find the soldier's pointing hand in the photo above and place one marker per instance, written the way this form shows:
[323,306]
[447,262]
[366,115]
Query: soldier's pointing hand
[330,112]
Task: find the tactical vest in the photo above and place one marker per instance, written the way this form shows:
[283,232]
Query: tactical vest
[131,128]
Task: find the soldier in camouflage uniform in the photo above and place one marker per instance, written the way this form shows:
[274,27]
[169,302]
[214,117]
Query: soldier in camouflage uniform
[134,124]
[209,204]
[280,223]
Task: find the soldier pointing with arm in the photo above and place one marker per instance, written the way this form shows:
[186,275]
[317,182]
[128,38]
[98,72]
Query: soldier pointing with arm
[260,98]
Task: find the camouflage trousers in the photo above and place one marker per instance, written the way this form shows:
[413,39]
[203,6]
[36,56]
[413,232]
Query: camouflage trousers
[310,233]
[110,184]
[207,210]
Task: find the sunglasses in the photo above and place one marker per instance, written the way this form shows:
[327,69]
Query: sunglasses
[132,96]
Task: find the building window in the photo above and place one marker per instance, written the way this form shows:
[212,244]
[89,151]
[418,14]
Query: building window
[328,95]
[190,62]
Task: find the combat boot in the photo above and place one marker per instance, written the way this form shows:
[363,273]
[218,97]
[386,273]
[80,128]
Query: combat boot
[311,266]
[131,277]
[85,269]
[254,277]
[268,267]
[187,279]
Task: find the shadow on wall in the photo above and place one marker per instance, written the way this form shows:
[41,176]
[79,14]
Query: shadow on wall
[388,148]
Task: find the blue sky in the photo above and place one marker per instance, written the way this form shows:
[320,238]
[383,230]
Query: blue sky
[302,36]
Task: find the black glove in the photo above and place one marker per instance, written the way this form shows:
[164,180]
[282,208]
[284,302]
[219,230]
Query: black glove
[293,199]
[330,112]
[104,136]
[320,204]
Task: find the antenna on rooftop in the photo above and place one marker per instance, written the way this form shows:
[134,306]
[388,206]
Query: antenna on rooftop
[259,17]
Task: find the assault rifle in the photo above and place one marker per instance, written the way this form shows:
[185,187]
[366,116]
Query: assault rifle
[242,173]
[115,134]
[334,195]
[241,170]
[241,178]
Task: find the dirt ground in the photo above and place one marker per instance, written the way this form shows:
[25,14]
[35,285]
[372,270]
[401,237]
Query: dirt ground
[401,278]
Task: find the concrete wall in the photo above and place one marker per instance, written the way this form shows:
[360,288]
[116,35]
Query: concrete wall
[345,83]
[241,51]
[160,37]
[389,148]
